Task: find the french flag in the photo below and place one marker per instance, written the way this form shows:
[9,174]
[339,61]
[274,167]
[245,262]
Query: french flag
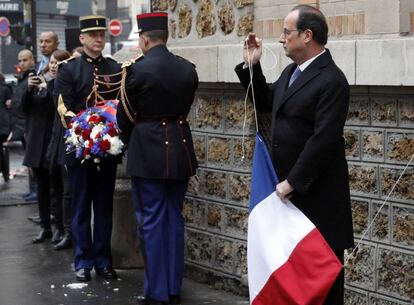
[289,262]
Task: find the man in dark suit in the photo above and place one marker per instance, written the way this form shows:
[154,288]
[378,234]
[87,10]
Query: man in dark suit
[82,82]
[160,88]
[309,104]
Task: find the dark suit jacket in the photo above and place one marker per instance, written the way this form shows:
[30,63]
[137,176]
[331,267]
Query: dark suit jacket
[161,90]
[38,106]
[307,146]
[5,95]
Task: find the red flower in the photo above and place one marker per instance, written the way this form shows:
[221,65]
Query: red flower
[90,144]
[98,135]
[86,152]
[104,145]
[111,124]
[78,130]
[112,132]
[95,119]
[85,134]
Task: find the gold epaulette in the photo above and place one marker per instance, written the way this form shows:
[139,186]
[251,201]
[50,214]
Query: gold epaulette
[130,62]
[182,58]
[66,60]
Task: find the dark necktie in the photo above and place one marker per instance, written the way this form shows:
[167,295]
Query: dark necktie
[295,75]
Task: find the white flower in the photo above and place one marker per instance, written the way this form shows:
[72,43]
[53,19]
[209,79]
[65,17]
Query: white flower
[95,130]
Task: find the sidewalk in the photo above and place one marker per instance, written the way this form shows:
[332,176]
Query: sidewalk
[35,274]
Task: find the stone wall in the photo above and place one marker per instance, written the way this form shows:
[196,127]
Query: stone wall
[379,138]
[207,21]
[379,143]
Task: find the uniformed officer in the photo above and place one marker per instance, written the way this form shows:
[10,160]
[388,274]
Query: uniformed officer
[160,90]
[82,82]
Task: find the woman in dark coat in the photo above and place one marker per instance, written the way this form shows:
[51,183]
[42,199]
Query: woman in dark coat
[38,106]
[5,104]
[59,176]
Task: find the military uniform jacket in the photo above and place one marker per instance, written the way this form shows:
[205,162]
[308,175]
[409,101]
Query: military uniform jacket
[160,88]
[74,84]
[307,146]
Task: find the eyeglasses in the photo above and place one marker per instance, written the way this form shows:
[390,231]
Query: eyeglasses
[287,32]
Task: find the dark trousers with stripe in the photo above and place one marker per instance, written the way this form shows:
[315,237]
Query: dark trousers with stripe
[92,186]
[336,294]
[158,206]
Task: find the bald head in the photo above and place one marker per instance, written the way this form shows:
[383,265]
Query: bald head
[25,59]
[48,42]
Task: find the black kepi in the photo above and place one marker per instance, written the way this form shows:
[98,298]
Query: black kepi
[152,21]
[92,23]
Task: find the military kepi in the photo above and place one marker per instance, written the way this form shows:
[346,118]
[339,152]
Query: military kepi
[92,23]
[152,21]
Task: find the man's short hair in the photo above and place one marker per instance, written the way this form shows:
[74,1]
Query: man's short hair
[54,36]
[26,51]
[310,18]
[157,35]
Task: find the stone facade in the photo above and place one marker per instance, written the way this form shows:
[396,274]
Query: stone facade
[371,41]
[379,135]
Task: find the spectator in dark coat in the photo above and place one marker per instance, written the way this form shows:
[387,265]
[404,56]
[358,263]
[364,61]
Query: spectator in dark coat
[62,236]
[39,109]
[5,104]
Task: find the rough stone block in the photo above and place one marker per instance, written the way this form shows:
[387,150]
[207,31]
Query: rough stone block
[172,4]
[352,143]
[188,211]
[363,179]
[360,271]
[241,259]
[400,146]
[237,220]
[219,151]
[238,114]
[243,152]
[205,21]
[395,273]
[240,188]
[406,112]
[373,145]
[381,225]
[209,113]
[224,257]
[403,223]
[245,25]
[243,3]
[226,18]
[215,184]
[358,113]
[194,186]
[159,5]
[360,215]
[384,112]
[353,297]
[199,141]
[185,19]
[381,300]
[404,189]
[215,217]
[198,247]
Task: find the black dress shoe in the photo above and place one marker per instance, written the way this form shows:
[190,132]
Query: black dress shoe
[148,301]
[57,236]
[42,236]
[107,273]
[175,299]
[65,243]
[83,275]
